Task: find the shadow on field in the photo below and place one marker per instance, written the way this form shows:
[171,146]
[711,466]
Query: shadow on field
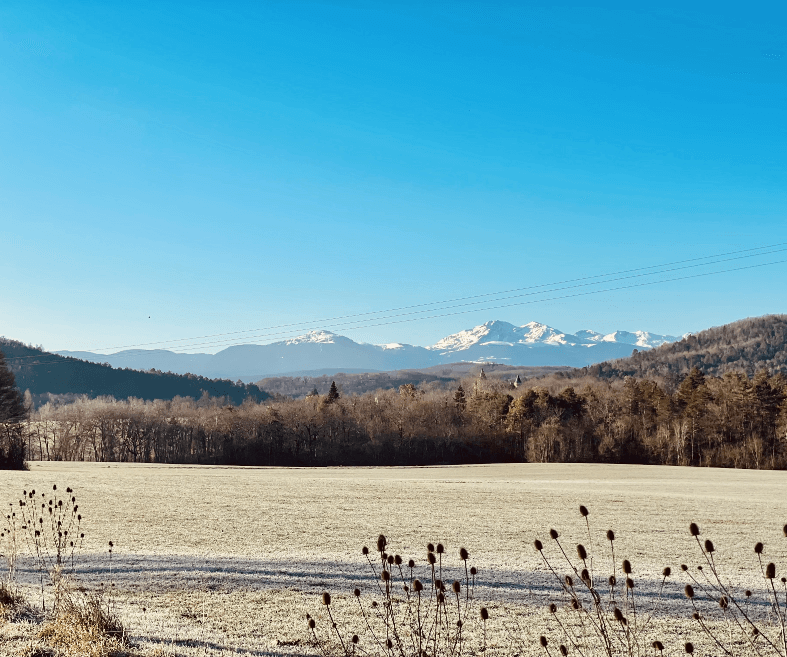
[221,648]
[226,574]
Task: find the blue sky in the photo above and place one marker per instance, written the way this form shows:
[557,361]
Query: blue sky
[173,170]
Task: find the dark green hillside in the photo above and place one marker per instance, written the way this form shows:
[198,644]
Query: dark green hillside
[748,346]
[41,372]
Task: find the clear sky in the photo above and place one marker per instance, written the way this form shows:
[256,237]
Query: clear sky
[173,170]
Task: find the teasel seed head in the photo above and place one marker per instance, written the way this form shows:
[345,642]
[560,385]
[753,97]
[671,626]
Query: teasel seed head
[484,614]
[696,615]
[724,602]
[784,530]
[431,558]
[610,535]
[54,487]
[582,553]
[397,560]
[355,638]
[658,645]
[429,547]
[440,598]
[473,571]
[440,549]
[689,647]
[585,575]
[758,548]
[312,624]
[357,593]
[629,583]
[552,608]
[563,650]
[569,581]
[374,604]
[390,560]
[667,571]
[406,588]
[456,587]
[543,641]
[709,546]
[784,580]
[389,643]
[684,567]
[575,604]
[770,571]
[747,593]
[539,545]
[464,555]
[689,591]
[553,534]
[364,550]
[417,586]
[326,598]
[583,510]
[438,584]
[627,566]
[385,576]
[612,580]
[694,530]
[411,564]
[381,541]
[617,614]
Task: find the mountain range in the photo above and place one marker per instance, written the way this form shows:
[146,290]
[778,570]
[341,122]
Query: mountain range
[532,344]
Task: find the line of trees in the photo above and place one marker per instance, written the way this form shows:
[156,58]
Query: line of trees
[728,421]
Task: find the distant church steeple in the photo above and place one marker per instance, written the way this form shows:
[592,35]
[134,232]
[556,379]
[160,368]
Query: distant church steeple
[482,375]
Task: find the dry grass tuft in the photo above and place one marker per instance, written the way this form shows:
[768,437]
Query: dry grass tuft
[86,628]
[13,607]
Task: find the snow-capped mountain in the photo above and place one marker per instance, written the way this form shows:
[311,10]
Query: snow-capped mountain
[497,341]
[533,334]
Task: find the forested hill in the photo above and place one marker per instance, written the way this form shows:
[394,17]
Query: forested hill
[748,346]
[44,374]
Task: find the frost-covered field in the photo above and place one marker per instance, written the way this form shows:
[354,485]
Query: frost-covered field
[229,560]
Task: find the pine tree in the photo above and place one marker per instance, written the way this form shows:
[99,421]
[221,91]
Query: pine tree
[459,398]
[333,393]
[12,412]
[12,405]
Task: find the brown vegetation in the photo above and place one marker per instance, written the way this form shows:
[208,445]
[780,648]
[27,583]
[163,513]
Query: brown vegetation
[728,421]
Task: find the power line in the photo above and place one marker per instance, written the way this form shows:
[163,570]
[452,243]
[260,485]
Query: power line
[531,301]
[343,325]
[437,303]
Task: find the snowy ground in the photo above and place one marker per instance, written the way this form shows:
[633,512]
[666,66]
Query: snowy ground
[229,560]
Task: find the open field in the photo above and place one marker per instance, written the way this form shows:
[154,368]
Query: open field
[228,560]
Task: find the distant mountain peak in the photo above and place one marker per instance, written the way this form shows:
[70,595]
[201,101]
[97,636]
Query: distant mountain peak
[325,337]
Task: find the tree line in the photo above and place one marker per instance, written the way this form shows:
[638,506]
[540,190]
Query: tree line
[748,345]
[734,420]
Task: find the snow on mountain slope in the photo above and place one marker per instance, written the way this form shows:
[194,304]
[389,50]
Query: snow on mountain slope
[643,339]
[499,333]
[324,337]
